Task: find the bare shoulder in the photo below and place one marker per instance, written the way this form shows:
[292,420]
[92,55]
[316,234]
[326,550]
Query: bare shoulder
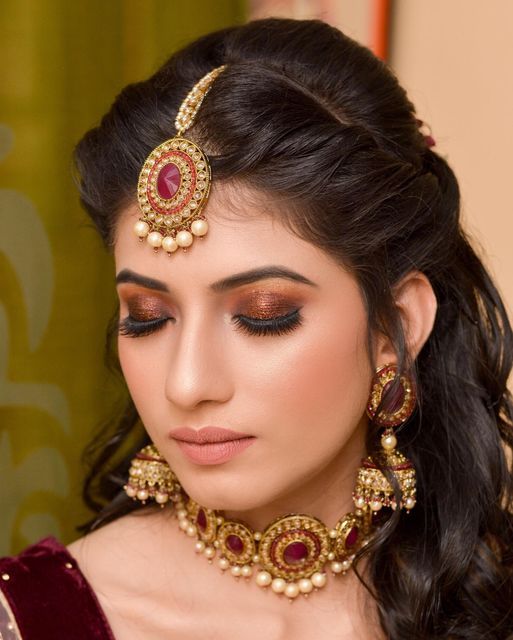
[117,555]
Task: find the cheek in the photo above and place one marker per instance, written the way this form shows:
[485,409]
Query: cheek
[141,375]
[319,380]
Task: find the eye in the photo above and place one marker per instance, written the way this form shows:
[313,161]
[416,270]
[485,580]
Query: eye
[134,328]
[270,326]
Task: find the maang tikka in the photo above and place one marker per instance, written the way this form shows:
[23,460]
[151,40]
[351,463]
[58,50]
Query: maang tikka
[174,182]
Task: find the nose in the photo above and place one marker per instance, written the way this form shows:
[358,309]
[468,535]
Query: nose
[198,370]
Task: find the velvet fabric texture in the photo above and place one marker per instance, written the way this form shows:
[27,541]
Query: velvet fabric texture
[50,597]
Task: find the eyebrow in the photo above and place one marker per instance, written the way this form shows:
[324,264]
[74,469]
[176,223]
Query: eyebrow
[226,284]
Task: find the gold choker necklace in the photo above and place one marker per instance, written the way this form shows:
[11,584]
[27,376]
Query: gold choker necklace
[291,555]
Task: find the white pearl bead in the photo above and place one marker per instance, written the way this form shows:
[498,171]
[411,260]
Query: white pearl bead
[389,442]
[331,555]
[318,579]
[246,571]
[199,547]
[333,534]
[183,524]
[278,585]
[346,564]
[235,571]
[210,552]
[359,502]
[191,530]
[336,567]
[376,505]
[154,239]
[224,563]
[142,494]
[130,491]
[409,503]
[169,244]
[181,514]
[292,590]
[256,558]
[141,228]
[263,579]
[183,239]
[161,498]
[199,227]
[305,585]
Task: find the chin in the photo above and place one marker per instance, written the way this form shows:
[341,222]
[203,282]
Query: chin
[228,496]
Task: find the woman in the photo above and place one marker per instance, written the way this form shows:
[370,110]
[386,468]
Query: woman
[302,297]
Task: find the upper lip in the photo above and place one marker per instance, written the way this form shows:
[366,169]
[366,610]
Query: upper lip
[206,435]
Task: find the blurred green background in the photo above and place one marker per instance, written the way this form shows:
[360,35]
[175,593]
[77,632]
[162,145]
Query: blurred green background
[62,64]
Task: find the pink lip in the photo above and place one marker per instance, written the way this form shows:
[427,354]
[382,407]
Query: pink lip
[214,452]
[206,435]
[211,445]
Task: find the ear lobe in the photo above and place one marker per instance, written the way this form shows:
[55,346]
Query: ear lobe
[416,302]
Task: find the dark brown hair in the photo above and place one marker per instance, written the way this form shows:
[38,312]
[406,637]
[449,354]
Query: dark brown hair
[305,114]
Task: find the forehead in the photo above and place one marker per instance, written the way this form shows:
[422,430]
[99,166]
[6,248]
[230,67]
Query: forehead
[243,234]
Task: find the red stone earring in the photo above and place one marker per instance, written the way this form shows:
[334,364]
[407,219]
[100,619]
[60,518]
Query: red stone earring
[372,487]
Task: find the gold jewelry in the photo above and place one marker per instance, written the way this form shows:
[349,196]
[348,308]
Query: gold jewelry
[373,489]
[400,407]
[150,477]
[290,555]
[174,182]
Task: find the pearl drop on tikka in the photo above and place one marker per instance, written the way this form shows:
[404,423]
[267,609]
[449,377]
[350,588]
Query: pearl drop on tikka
[183,239]
[154,239]
[199,227]
[141,228]
[169,244]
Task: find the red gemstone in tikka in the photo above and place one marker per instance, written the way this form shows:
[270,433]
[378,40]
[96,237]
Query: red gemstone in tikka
[168,181]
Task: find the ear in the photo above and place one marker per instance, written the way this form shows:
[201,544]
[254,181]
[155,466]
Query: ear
[416,302]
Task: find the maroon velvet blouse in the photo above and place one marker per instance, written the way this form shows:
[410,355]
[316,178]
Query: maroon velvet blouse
[45,596]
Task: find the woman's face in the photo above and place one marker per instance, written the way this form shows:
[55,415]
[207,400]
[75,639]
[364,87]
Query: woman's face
[212,355]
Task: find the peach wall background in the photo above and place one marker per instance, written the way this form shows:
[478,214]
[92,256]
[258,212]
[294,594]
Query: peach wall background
[455,60]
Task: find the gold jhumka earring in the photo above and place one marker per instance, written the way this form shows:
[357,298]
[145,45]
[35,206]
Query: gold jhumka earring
[372,486]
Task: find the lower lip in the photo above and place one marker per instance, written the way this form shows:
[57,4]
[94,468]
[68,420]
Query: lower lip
[214,452]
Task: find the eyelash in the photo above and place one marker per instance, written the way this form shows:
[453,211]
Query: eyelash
[253,326]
